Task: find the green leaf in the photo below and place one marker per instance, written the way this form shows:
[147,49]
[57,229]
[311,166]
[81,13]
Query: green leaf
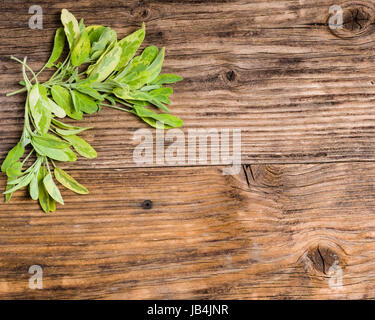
[107,37]
[62,97]
[81,25]
[94,32]
[150,87]
[82,147]
[149,54]
[33,187]
[81,50]
[13,156]
[70,132]
[56,154]
[50,141]
[90,92]
[46,202]
[106,64]
[138,77]
[15,170]
[71,27]
[24,181]
[162,94]
[68,126]
[42,117]
[166,78]
[69,182]
[130,45]
[54,108]
[140,96]
[166,121]
[52,189]
[156,65]
[58,47]
[8,196]
[84,103]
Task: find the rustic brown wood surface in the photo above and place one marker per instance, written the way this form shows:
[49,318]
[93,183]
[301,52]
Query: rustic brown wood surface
[297,222]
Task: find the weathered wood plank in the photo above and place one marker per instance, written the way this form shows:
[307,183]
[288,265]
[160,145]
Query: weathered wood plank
[272,68]
[275,231]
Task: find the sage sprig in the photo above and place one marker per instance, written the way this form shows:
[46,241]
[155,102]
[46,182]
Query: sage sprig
[99,70]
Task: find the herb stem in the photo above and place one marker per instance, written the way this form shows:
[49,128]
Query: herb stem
[16,92]
[28,156]
[115,107]
[24,63]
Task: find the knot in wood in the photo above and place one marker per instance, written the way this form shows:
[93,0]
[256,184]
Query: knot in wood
[141,12]
[321,260]
[229,76]
[357,20]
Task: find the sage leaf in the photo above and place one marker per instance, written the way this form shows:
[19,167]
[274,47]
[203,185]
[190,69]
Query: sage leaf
[94,33]
[152,118]
[110,46]
[82,27]
[150,87]
[107,65]
[55,154]
[52,189]
[69,182]
[54,108]
[130,45]
[13,156]
[84,103]
[8,196]
[71,27]
[33,187]
[81,50]
[149,54]
[68,126]
[82,147]
[90,92]
[69,132]
[41,115]
[50,141]
[162,94]
[63,98]
[139,95]
[166,78]
[107,37]
[45,201]
[58,47]
[156,65]
[24,181]
[15,170]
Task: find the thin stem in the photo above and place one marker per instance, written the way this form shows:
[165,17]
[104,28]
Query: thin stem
[16,92]
[46,161]
[123,103]
[28,156]
[115,107]
[24,63]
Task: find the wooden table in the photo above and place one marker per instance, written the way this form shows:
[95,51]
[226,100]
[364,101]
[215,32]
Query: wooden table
[298,221]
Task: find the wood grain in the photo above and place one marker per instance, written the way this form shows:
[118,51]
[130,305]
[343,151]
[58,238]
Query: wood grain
[297,222]
[206,236]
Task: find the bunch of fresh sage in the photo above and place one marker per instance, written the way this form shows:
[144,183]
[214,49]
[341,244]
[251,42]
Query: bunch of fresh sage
[99,70]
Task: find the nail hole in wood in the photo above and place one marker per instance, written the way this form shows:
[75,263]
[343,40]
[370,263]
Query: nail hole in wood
[147,204]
